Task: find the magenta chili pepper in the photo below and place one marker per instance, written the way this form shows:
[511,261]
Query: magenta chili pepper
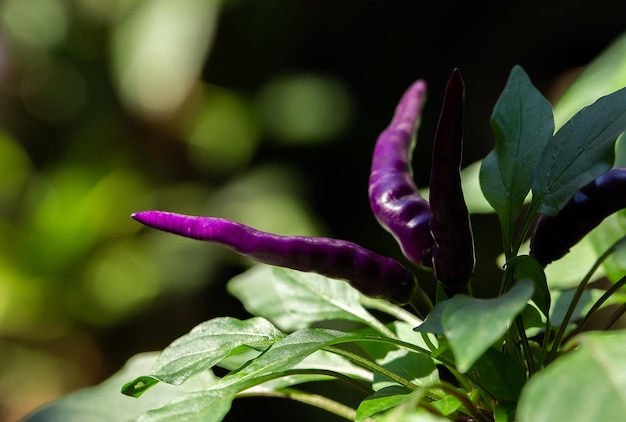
[394,197]
[371,274]
[554,236]
[453,253]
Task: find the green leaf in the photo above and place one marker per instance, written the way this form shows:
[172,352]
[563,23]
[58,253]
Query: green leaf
[203,347]
[284,354]
[580,151]
[205,406]
[104,403]
[522,123]
[471,325]
[381,401]
[524,266]
[418,368]
[293,299]
[432,323]
[409,411]
[586,384]
[501,375]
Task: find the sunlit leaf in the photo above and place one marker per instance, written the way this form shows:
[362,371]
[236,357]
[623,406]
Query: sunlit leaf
[282,355]
[293,299]
[382,400]
[409,411]
[203,347]
[586,384]
[418,368]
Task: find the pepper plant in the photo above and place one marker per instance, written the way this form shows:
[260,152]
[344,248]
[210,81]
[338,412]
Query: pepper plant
[525,355]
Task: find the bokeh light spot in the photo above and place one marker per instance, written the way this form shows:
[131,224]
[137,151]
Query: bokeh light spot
[42,22]
[158,51]
[224,134]
[305,108]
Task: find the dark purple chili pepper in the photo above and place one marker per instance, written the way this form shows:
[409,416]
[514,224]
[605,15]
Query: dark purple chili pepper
[371,274]
[553,236]
[394,197]
[453,253]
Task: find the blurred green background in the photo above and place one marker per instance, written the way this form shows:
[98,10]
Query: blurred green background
[264,112]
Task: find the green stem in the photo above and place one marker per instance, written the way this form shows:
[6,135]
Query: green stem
[614,316]
[578,294]
[467,403]
[521,331]
[391,309]
[609,292]
[544,343]
[374,367]
[315,400]
[529,220]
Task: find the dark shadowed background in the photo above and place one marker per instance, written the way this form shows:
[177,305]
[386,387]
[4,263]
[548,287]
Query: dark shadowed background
[264,112]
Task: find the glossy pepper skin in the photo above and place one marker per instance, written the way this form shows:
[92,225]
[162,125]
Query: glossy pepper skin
[453,252]
[554,236]
[371,274]
[393,195]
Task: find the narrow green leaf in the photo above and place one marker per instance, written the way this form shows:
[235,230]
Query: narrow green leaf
[471,325]
[581,150]
[522,123]
[524,266]
[293,299]
[203,347]
[587,384]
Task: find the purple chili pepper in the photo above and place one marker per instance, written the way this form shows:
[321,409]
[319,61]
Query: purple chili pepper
[453,253]
[394,197]
[553,236]
[371,274]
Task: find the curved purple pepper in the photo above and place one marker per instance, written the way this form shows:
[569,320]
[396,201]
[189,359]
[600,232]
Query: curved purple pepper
[371,274]
[394,198]
[553,236]
[453,253]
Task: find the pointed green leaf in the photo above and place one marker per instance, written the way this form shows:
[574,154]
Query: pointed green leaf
[522,123]
[580,151]
[586,384]
[203,347]
[432,323]
[472,325]
[293,299]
